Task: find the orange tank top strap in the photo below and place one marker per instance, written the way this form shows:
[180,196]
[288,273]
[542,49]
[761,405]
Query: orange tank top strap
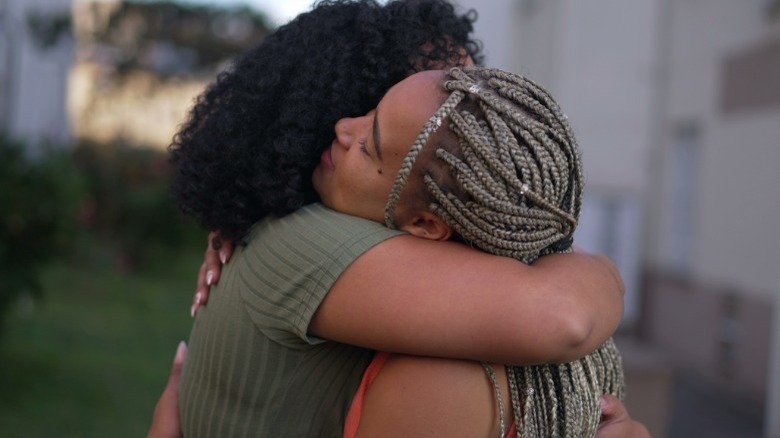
[356,408]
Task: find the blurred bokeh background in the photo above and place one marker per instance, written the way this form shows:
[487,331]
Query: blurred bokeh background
[676,104]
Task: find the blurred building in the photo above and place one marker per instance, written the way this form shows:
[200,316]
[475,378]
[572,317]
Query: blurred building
[676,104]
[140,65]
[108,70]
[36,52]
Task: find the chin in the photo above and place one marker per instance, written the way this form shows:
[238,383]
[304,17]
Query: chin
[316,180]
[322,197]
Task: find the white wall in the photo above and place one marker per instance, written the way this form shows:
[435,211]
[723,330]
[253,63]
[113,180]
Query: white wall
[737,202]
[497,28]
[740,204]
[598,58]
[608,51]
[34,87]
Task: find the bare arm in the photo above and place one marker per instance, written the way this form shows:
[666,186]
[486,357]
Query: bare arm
[421,397]
[417,396]
[413,296]
[166,422]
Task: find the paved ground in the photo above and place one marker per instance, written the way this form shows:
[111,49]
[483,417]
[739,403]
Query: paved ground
[678,404]
[697,411]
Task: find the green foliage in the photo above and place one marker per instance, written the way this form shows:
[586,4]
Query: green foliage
[93,357]
[56,197]
[92,230]
[172,37]
[39,199]
[128,203]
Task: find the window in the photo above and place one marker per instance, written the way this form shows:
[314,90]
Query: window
[680,207]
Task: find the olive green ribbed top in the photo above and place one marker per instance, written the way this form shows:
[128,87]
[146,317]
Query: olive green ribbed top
[251,369]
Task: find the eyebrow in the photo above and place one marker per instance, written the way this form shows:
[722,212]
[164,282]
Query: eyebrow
[377,143]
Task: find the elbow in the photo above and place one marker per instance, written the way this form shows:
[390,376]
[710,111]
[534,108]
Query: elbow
[579,336]
[562,337]
[583,329]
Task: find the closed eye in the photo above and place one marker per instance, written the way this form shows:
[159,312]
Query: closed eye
[363,147]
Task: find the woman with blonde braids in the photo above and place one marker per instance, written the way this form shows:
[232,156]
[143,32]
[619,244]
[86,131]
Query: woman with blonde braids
[497,167]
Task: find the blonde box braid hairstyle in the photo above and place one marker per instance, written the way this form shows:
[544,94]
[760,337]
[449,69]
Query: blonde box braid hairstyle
[519,190]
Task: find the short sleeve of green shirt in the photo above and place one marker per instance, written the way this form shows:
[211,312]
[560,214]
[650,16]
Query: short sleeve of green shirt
[290,264]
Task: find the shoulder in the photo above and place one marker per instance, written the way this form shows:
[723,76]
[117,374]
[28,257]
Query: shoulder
[320,226]
[423,396]
[290,264]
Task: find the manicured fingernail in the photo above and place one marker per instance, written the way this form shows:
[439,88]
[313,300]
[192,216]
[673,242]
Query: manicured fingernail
[209,277]
[180,350]
[198,297]
[223,257]
[192,310]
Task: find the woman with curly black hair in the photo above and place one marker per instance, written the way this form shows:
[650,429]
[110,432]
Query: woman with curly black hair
[253,138]
[303,303]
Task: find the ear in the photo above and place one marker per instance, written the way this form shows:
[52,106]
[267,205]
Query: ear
[427,225]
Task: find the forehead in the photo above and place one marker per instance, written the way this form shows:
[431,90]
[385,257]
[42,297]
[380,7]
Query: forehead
[402,113]
[424,90]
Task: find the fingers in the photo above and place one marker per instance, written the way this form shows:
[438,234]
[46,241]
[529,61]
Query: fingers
[616,422]
[202,291]
[612,409]
[212,259]
[178,365]
[218,252]
[224,247]
[208,274]
[226,251]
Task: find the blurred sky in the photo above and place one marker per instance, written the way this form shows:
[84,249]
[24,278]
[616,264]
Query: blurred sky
[280,11]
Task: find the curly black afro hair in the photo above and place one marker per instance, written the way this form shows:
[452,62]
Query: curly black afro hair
[254,136]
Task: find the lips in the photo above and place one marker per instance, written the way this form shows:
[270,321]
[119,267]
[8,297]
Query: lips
[327,158]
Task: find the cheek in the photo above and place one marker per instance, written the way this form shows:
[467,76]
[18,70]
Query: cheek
[346,191]
[365,200]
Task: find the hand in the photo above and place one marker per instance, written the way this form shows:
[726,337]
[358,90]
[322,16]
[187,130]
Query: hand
[616,423]
[218,252]
[166,422]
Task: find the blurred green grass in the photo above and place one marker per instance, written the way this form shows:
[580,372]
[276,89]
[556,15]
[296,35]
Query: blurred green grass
[91,358]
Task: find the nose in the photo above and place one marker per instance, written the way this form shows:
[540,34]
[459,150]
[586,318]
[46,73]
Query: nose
[345,131]
[351,129]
